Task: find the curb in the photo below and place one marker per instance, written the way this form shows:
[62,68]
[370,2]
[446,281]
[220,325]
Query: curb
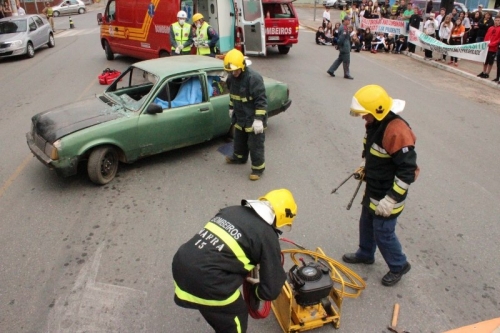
[440,66]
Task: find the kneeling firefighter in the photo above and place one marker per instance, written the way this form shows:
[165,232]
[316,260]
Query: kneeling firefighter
[210,268]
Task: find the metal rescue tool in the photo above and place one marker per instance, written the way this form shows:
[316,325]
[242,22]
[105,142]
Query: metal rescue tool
[359,174]
[394,323]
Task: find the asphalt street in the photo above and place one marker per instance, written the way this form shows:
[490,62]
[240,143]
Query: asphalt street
[81,258]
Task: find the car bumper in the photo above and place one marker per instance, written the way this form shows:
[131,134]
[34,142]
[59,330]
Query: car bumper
[283,108]
[4,53]
[64,167]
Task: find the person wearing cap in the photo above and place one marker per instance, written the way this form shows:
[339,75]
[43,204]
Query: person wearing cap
[206,37]
[480,11]
[181,37]
[390,166]
[210,268]
[430,26]
[49,13]
[248,112]
[344,45]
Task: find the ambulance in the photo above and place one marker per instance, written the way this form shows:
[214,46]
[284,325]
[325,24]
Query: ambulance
[140,28]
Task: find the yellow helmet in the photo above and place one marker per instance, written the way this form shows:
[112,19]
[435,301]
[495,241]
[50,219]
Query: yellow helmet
[374,100]
[197,17]
[234,60]
[284,206]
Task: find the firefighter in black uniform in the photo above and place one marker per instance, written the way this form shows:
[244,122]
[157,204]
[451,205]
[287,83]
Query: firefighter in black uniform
[209,269]
[390,167]
[247,110]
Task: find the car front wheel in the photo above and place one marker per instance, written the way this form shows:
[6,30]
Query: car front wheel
[52,41]
[56,13]
[107,49]
[103,165]
[81,11]
[30,50]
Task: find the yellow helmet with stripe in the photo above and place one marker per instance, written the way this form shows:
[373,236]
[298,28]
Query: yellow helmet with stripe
[283,205]
[234,60]
[197,17]
[374,100]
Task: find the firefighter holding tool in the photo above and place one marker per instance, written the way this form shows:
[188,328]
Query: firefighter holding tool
[181,37]
[210,268]
[390,166]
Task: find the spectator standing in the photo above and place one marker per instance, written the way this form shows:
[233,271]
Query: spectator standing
[480,11]
[394,10]
[6,9]
[376,13]
[415,20]
[493,36]
[464,17]
[445,32]
[326,16]
[430,27]
[407,14]
[439,19]
[390,167]
[343,14]
[344,44]
[484,24]
[474,27]
[454,15]
[20,10]
[428,9]
[361,13]
[402,7]
[368,11]
[457,34]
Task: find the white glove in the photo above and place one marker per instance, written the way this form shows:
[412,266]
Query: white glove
[258,126]
[177,50]
[204,44]
[363,162]
[385,206]
[231,110]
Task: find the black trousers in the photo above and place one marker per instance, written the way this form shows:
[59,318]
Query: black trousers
[428,53]
[232,318]
[344,59]
[249,142]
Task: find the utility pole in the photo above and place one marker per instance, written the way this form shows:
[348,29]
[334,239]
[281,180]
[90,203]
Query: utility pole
[448,4]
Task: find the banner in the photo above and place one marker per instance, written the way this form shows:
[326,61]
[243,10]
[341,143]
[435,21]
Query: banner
[395,27]
[474,52]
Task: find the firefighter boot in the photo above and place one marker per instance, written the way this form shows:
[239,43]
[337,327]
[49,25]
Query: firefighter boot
[255,175]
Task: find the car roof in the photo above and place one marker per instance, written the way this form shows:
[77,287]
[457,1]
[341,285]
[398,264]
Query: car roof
[19,17]
[179,64]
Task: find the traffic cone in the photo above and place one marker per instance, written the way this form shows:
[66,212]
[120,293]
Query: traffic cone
[71,25]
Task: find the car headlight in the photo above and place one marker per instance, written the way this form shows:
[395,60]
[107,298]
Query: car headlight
[52,150]
[16,43]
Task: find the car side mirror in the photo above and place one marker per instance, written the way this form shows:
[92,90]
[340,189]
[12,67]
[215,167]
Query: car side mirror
[154,108]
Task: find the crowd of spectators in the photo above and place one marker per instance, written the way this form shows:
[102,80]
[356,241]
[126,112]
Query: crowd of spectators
[451,28]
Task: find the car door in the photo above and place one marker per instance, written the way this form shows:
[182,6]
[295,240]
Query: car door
[73,6]
[42,30]
[187,116]
[34,33]
[254,32]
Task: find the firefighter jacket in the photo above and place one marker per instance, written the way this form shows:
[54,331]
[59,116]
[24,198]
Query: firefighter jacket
[247,96]
[181,35]
[209,269]
[391,162]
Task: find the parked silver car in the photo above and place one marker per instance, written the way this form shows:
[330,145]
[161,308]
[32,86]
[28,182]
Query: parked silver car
[69,7]
[24,34]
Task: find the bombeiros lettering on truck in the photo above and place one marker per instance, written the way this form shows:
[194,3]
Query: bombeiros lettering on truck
[141,28]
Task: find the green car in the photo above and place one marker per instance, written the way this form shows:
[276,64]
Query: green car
[154,106]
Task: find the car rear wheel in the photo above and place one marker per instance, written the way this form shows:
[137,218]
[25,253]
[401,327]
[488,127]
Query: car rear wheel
[52,41]
[103,165]
[164,54]
[81,11]
[56,13]
[107,49]
[30,50]
[283,49]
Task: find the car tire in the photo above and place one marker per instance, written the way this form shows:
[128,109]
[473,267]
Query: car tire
[283,49]
[56,13]
[30,50]
[107,49]
[103,165]
[52,41]
[81,11]
[164,54]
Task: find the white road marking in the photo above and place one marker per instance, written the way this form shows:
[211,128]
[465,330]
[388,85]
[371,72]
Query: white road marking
[93,306]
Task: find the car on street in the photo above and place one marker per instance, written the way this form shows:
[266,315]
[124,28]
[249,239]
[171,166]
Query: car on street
[22,35]
[69,7]
[154,106]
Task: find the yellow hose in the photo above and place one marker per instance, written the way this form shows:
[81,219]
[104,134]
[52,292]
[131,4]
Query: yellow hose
[340,273]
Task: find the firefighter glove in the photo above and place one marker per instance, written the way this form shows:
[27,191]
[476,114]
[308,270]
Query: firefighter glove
[258,126]
[177,50]
[385,206]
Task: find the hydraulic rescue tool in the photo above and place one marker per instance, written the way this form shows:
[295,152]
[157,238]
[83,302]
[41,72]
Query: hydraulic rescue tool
[359,174]
[313,293]
[394,322]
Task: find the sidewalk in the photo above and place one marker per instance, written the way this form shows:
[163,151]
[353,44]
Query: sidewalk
[466,68]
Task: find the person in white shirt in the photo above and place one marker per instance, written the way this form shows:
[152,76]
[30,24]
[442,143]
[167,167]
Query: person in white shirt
[439,19]
[20,10]
[466,23]
[430,27]
[445,31]
[326,16]
[379,41]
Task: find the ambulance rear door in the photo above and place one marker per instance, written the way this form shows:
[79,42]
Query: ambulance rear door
[251,19]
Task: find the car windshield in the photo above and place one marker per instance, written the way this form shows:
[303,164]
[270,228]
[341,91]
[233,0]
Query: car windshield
[132,88]
[10,27]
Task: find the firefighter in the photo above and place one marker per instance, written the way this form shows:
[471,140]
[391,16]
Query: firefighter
[247,110]
[209,269]
[390,166]
[206,37]
[181,37]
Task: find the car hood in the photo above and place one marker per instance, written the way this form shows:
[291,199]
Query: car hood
[12,36]
[61,121]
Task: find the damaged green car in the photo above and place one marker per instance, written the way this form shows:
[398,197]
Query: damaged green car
[154,106]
